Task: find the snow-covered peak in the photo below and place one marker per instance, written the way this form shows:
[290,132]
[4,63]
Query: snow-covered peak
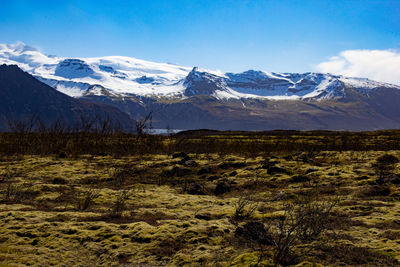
[201,82]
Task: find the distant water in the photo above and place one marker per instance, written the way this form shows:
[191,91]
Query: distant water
[164,131]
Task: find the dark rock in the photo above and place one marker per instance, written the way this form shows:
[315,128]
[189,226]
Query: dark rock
[206,170]
[266,164]
[279,196]
[190,163]
[276,169]
[392,178]
[176,171]
[205,217]
[255,231]
[387,159]
[184,159]
[223,166]
[234,173]
[288,157]
[311,170]
[222,188]
[227,165]
[59,180]
[26,234]
[238,164]
[179,155]
[377,190]
[196,189]
[299,179]
[212,178]
[141,239]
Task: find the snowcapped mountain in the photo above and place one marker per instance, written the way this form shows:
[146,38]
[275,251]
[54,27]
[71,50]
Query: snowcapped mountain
[190,98]
[125,76]
[119,75]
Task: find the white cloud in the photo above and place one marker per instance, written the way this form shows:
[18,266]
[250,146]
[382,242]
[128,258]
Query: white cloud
[378,65]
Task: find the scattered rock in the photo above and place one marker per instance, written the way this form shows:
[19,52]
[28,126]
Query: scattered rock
[190,163]
[179,155]
[255,231]
[266,164]
[234,173]
[392,178]
[288,157]
[185,158]
[222,188]
[26,234]
[311,170]
[212,178]
[176,171]
[276,169]
[299,179]
[206,170]
[223,166]
[377,190]
[238,164]
[205,217]
[196,189]
[279,196]
[59,180]
[227,165]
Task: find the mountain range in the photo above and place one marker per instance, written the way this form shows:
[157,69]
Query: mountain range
[190,97]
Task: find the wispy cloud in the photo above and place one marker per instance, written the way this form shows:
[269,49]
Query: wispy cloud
[379,65]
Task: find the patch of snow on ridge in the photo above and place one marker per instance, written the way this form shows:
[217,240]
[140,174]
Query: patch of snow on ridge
[74,89]
[365,83]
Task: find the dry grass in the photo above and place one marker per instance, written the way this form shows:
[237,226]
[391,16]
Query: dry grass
[141,210]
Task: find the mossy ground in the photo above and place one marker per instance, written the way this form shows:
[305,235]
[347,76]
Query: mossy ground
[41,222]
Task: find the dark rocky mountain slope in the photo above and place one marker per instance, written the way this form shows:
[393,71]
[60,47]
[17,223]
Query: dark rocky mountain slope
[22,97]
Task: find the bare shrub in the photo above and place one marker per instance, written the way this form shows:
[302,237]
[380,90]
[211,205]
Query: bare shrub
[144,125]
[120,202]
[85,198]
[121,174]
[244,208]
[302,222]
[384,166]
[8,174]
[17,193]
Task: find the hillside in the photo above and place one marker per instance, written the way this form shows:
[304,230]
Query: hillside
[22,97]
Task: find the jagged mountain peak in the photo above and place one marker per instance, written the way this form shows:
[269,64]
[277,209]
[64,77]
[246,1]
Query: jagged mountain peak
[201,82]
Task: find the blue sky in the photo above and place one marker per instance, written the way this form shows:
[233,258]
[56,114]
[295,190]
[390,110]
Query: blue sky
[279,35]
